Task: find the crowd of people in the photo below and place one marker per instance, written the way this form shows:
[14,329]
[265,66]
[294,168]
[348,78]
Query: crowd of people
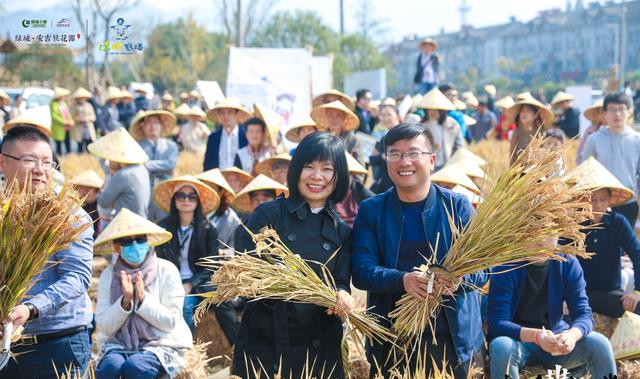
[380,209]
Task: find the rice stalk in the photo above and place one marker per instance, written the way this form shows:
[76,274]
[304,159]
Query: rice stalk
[272,271]
[523,211]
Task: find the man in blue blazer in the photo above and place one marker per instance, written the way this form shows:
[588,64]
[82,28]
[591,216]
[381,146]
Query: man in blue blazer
[393,233]
[224,143]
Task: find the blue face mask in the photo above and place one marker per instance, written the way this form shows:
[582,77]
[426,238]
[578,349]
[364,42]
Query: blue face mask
[136,252]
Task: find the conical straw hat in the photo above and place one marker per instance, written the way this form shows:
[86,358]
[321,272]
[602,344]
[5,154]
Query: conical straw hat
[59,92]
[164,191]
[167,119]
[167,97]
[245,177]
[560,97]
[591,175]
[435,99]
[467,154]
[82,93]
[389,101]
[319,115]
[118,146]
[470,99]
[490,89]
[214,177]
[416,100]
[429,41]
[125,94]
[26,120]
[87,178]
[330,96]
[524,96]
[4,96]
[228,103]
[504,102]
[272,119]
[469,167]
[469,121]
[128,224]
[545,113]
[474,199]
[454,175]
[197,112]
[114,93]
[459,104]
[265,167]
[355,168]
[183,95]
[293,132]
[625,340]
[183,110]
[594,112]
[242,202]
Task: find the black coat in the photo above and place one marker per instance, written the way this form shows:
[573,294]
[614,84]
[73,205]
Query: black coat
[171,252]
[277,332]
[569,122]
[435,61]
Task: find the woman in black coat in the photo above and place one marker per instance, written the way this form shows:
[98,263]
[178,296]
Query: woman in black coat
[278,335]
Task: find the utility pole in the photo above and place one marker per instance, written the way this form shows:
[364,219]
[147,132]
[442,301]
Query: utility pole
[623,43]
[239,31]
[342,18]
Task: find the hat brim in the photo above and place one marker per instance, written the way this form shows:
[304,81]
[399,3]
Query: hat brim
[545,114]
[28,123]
[168,121]
[127,225]
[164,191]
[266,166]
[349,123]
[293,134]
[242,115]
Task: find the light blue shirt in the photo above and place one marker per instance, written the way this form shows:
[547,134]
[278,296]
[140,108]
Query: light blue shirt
[60,291]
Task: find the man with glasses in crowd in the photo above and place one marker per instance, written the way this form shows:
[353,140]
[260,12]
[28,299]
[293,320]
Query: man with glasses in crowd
[394,233]
[56,310]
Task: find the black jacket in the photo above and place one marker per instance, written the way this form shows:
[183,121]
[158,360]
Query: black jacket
[366,126]
[569,122]
[435,61]
[381,179]
[277,332]
[171,252]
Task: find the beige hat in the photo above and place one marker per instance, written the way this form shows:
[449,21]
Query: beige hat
[389,101]
[524,96]
[545,113]
[490,89]
[215,177]
[129,224]
[470,99]
[197,112]
[265,167]
[82,93]
[183,110]
[114,93]
[560,97]
[467,154]
[591,175]
[272,119]
[87,178]
[242,202]
[167,119]
[183,95]
[435,99]
[469,121]
[124,94]
[330,96]
[245,176]
[470,168]
[474,199]
[454,175]
[228,103]
[194,93]
[167,97]
[625,340]
[27,121]
[293,132]
[416,100]
[319,115]
[118,146]
[164,191]
[459,104]
[504,102]
[59,92]
[4,96]
[355,168]
[429,41]
[594,111]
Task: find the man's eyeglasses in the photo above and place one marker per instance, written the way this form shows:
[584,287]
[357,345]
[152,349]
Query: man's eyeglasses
[186,196]
[412,155]
[129,240]
[31,163]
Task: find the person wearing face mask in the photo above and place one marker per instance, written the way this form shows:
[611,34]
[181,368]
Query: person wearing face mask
[281,335]
[340,121]
[141,332]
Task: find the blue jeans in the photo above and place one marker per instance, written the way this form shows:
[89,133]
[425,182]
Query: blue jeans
[426,87]
[35,361]
[188,309]
[592,353]
[116,365]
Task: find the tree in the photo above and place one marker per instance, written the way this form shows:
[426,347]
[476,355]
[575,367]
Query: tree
[44,64]
[82,8]
[357,53]
[248,21]
[368,24]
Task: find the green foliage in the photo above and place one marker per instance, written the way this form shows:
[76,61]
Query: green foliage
[38,63]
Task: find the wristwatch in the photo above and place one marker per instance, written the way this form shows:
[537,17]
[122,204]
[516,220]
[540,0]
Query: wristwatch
[33,311]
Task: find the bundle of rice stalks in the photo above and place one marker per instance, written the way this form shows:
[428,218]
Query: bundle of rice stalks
[73,164]
[34,224]
[521,214]
[189,163]
[272,271]
[74,373]
[196,363]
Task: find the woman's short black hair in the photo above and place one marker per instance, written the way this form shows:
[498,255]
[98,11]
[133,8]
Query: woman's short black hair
[320,146]
[442,116]
[408,130]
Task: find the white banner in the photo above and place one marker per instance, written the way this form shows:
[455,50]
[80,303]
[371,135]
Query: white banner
[321,74]
[373,80]
[210,91]
[278,78]
[582,101]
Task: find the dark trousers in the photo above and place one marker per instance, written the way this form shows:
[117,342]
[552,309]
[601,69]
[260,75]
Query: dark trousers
[227,317]
[37,361]
[116,365]
[608,303]
[82,145]
[629,211]
[67,145]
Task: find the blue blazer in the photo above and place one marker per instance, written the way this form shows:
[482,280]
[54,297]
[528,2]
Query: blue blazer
[565,283]
[212,154]
[375,243]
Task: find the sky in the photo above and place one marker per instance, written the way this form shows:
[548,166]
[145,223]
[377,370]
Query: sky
[403,17]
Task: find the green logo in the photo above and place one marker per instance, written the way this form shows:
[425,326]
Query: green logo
[26,23]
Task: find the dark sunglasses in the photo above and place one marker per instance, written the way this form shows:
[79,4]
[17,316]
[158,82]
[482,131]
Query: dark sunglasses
[186,196]
[128,241]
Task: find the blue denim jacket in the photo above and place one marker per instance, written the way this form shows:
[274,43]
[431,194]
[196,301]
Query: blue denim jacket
[60,291]
[376,239]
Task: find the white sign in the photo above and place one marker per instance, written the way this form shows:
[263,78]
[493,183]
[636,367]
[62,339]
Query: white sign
[582,101]
[373,80]
[210,91]
[321,74]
